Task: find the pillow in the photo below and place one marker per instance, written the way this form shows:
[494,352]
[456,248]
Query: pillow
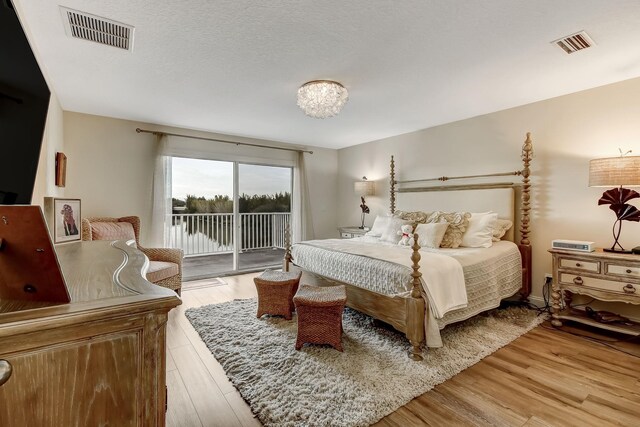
[415,217]
[501,228]
[112,231]
[378,227]
[430,235]
[390,233]
[458,222]
[479,233]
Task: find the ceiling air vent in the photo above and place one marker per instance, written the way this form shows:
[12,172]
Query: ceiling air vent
[85,26]
[575,42]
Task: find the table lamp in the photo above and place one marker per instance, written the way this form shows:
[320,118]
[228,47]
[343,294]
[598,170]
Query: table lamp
[622,171]
[364,188]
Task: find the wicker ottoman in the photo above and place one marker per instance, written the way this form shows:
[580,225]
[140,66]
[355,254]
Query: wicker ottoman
[320,315]
[275,292]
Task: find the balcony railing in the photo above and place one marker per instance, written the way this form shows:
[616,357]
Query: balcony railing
[212,233]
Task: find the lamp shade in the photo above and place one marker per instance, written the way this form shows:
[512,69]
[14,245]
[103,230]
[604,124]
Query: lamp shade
[615,171]
[364,188]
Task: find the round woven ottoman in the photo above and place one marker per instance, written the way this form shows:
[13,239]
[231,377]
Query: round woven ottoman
[320,315]
[275,292]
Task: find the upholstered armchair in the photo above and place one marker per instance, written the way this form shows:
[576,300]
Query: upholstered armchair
[165,265]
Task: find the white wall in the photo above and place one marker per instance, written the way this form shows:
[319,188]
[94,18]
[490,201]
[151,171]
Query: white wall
[567,132]
[52,142]
[110,167]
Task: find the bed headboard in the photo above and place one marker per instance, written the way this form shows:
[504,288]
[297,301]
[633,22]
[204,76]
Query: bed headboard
[500,197]
[500,200]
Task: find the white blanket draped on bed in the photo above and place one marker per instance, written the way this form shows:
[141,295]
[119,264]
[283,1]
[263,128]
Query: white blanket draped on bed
[442,275]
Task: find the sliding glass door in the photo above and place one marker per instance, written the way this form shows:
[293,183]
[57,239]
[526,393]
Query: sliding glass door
[228,216]
[264,206]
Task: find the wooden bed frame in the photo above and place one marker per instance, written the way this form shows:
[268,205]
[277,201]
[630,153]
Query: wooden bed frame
[407,313]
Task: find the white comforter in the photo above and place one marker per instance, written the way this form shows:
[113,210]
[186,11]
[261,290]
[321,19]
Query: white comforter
[442,275]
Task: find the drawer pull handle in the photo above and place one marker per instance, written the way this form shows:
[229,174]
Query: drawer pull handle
[578,264]
[629,289]
[5,371]
[629,271]
[578,280]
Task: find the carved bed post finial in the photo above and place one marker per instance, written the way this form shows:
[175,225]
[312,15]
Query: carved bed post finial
[287,245]
[527,156]
[392,183]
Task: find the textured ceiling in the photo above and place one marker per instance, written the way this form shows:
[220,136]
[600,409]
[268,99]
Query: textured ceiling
[233,66]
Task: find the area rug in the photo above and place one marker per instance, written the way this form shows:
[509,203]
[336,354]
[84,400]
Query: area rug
[319,386]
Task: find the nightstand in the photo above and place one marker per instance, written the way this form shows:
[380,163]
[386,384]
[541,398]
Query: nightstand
[351,232]
[605,276]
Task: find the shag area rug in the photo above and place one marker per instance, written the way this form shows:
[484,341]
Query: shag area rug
[319,386]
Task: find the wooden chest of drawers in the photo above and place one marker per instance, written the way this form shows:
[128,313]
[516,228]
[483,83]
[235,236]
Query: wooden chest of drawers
[601,275]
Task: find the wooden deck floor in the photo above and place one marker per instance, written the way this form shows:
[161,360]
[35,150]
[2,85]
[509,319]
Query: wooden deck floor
[195,268]
[544,378]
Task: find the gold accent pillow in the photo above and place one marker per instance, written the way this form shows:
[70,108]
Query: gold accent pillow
[458,223]
[415,217]
[502,226]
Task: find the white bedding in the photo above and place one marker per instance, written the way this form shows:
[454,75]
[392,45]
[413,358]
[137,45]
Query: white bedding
[358,261]
[473,280]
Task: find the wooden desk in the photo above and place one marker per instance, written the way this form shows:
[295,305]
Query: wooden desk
[99,360]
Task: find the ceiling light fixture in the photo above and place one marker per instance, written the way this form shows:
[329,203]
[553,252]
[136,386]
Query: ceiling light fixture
[322,98]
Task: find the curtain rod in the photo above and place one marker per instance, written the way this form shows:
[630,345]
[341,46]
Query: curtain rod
[138,130]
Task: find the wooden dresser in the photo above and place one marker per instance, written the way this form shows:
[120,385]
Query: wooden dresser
[604,276]
[99,360]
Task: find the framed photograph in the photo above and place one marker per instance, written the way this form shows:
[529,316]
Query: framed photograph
[64,219]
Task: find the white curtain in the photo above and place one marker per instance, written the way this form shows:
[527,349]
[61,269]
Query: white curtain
[302,216]
[161,199]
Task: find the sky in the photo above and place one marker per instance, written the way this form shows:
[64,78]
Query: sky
[209,178]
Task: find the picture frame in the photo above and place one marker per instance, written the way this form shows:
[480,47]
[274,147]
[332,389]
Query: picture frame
[63,217]
[61,169]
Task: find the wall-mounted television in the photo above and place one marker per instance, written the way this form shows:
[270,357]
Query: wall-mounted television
[24,100]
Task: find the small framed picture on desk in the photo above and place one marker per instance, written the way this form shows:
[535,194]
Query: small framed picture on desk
[63,218]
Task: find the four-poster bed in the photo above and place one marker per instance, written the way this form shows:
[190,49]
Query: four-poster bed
[410,312]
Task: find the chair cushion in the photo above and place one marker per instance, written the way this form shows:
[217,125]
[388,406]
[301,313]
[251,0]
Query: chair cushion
[112,231]
[160,270]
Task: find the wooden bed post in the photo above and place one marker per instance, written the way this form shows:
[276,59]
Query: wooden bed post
[415,306]
[525,244]
[287,245]
[392,186]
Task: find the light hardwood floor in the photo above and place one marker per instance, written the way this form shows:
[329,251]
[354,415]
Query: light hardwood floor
[544,378]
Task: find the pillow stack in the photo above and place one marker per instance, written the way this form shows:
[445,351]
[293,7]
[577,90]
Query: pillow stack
[443,229]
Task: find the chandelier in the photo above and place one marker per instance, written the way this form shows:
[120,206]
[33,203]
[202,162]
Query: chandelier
[322,98]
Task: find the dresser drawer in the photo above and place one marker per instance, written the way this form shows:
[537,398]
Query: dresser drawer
[577,264]
[623,270]
[605,285]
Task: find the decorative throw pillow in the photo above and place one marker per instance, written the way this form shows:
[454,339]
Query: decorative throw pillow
[430,235]
[458,223]
[112,231]
[415,217]
[378,227]
[390,233]
[479,233]
[501,228]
